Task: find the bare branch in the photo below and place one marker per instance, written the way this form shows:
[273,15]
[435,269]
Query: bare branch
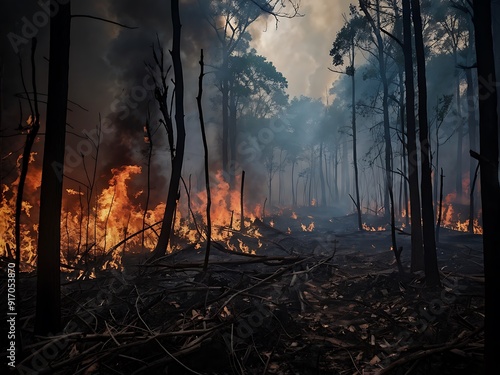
[103,19]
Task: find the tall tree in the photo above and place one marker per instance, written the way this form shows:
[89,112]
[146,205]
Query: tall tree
[382,52]
[430,256]
[345,43]
[48,301]
[375,23]
[257,88]
[230,20]
[178,156]
[488,161]
[417,250]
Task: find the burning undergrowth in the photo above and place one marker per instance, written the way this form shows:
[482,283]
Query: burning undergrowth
[99,226]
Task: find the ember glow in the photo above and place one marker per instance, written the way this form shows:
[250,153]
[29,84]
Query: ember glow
[369,228]
[308,228]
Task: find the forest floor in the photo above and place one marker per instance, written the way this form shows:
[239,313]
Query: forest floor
[326,301]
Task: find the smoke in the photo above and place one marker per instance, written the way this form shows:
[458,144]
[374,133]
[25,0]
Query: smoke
[299,47]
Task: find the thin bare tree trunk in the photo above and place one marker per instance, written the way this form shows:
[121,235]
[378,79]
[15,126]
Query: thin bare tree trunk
[173,190]
[205,159]
[148,179]
[440,208]
[354,141]
[322,176]
[471,200]
[242,223]
[294,201]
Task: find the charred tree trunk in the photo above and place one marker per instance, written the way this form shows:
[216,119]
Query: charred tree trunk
[346,188]
[311,177]
[440,207]
[472,125]
[471,200]
[417,250]
[430,256]
[294,200]
[148,179]
[242,203]
[280,177]
[460,132]
[177,161]
[354,140]
[404,180]
[225,117]
[322,176]
[205,160]
[488,160]
[232,128]
[436,166]
[48,301]
[336,176]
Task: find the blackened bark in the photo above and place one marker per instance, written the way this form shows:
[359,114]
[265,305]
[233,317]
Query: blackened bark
[225,116]
[242,203]
[48,301]
[205,159]
[460,132]
[177,161]
[232,128]
[321,176]
[417,251]
[354,141]
[430,256]
[440,207]
[148,179]
[490,189]
[294,200]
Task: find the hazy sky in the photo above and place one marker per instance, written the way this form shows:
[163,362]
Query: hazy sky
[299,47]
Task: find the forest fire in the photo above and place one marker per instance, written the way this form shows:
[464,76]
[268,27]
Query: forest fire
[453,216]
[114,221]
[369,228]
[191,194]
[105,225]
[307,228]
